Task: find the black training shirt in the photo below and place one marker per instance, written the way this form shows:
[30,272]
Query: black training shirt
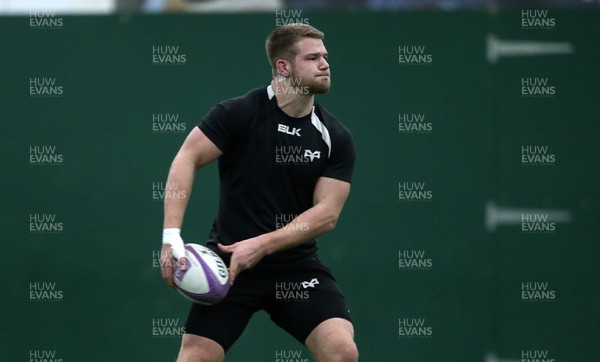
[270,165]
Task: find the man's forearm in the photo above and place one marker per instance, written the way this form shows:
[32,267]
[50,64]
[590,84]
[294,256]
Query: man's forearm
[312,223]
[178,191]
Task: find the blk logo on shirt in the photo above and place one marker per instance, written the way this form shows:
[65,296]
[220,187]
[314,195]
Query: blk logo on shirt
[286,129]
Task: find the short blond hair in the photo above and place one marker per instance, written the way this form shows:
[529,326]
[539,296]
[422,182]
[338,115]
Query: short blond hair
[281,43]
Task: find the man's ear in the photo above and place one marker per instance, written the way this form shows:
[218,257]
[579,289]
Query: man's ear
[282,67]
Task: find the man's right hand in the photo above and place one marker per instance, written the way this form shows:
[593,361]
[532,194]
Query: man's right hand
[167,263]
[172,252]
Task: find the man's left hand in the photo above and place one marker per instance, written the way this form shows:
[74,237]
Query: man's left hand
[244,255]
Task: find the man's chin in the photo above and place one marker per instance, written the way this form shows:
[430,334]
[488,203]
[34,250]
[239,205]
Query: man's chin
[320,88]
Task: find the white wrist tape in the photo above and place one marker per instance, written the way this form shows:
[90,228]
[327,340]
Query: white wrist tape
[171,236]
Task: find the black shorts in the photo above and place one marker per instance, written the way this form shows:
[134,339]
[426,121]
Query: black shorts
[297,297]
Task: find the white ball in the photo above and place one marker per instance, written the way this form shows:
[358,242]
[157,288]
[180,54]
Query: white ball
[206,280]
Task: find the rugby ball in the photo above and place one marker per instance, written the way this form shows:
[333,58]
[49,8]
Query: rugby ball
[206,279]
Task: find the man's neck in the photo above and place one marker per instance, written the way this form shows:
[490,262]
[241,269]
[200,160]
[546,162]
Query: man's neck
[294,105]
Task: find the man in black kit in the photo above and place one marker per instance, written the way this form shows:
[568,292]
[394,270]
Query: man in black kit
[285,166]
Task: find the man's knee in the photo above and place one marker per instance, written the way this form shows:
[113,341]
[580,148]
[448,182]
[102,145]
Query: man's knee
[337,350]
[345,351]
[199,349]
[333,341]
